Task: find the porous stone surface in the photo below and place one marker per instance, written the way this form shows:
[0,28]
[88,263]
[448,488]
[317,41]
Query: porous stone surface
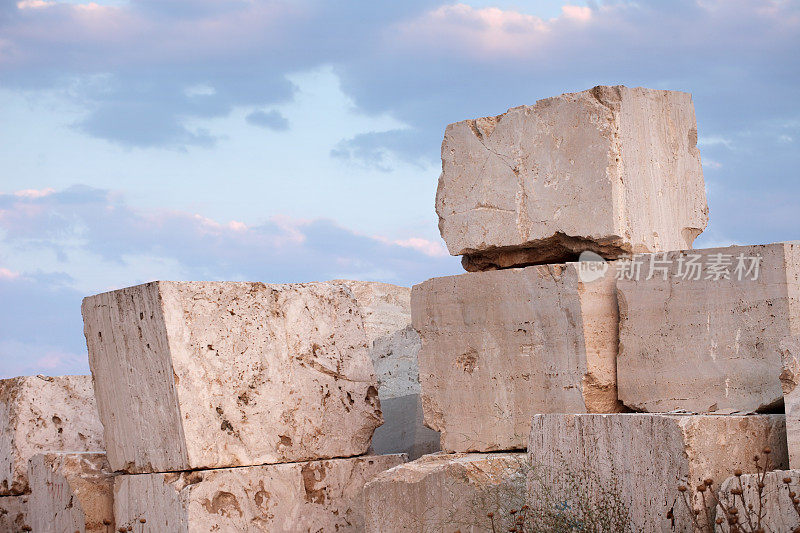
[394,346]
[392,341]
[42,414]
[314,496]
[447,492]
[708,339]
[71,492]
[778,512]
[790,377]
[14,513]
[499,346]
[622,471]
[192,375]
[610,170]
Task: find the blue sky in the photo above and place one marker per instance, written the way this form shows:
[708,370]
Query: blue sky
[297,141]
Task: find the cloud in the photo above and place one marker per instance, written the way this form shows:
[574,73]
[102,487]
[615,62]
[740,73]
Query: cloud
[422,62]
[272,120]
[61,246]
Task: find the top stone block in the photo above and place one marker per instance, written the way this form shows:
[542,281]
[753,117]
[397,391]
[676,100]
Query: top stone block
[192,375]
[611,170]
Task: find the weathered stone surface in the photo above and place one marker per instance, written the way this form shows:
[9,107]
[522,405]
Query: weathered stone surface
[622,471]
[499,346]
[707,345]
[394,346]
[193,375]
[610,170]
[314,496]
[447,492]
[778,512]
[71,492]
[790,377]
[14,513]
[43,414]
[393,343]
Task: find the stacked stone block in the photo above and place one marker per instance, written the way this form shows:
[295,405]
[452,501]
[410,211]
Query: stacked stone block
[229,406]
[40,414]
[532,349]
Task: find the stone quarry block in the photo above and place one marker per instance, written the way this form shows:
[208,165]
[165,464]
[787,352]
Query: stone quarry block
[790,377]
[71,492]
[394,346]
[193,375]
[447,492]
[41,414]
[14,513]
[325,495]
[621,472]
[778,513]
[703,333]
[610,170]
[499,346]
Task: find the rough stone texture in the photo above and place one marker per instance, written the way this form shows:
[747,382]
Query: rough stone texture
[499,346]
[14,514]
[609,170]
[43,414]
[624,469]
[193,375]
[71,492]
[447,492]
[778,513]
[315,496]
[393,343]
[708,345]
[790,377]
[394,346]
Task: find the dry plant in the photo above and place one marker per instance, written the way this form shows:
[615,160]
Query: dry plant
[738,515]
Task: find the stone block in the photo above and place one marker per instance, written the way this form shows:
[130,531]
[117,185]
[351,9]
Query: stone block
[610,170]
[500,346]
[621,472]
[71,492]
[193,375]
[778,513]
[14,513]
[214,364]
[790,378]
[325,495]
[447,492]
[44,414]
[394,346]
[703,333]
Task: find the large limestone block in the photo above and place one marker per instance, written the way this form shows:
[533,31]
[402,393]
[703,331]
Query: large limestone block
[790,378]
[394,346]
[42,414]
[621,472]
[706,338]
[193,375]
[499,346]
[778,512]
[609,170]
[313,496]
[14,514]
[447,492]
[71,492]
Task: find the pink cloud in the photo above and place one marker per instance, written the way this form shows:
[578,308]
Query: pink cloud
[8,274]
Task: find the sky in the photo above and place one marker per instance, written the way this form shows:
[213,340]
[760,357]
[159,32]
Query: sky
[298,141]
